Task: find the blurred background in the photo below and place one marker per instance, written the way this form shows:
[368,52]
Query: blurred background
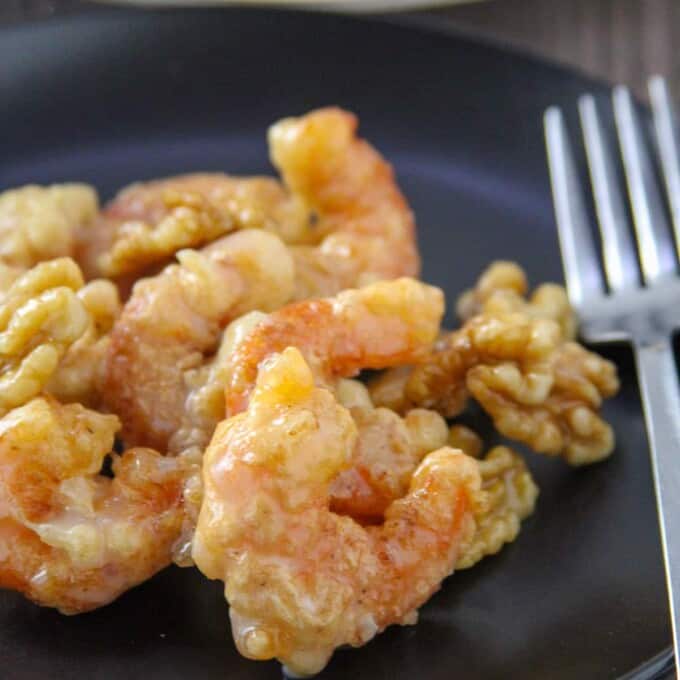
[617,40]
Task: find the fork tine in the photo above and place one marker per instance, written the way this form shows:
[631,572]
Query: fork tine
[579,258]
[651,226]
[618,248]
[667,144]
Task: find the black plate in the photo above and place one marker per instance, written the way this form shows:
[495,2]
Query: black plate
[126,95]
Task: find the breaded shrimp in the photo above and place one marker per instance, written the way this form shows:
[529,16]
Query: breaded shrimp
[380,325]
[365,228]
[173,321]
[516,357]
[71,538]
[300,579]
[385,324]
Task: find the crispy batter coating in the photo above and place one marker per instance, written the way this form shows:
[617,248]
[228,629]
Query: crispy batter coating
[41,317]
[79,376]
[71,538]
[510,497]
[387,323]
[39,223]
[538,389]
[387,451]
[173,322]
[8,275]
[147,223]
[365,229]
[502,289]
[300,579]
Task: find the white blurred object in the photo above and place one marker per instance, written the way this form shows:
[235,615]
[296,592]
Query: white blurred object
[342,5]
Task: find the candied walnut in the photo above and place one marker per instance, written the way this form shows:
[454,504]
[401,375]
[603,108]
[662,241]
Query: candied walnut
[565,421]
[502,289]
[39,223]
[439,382]
[140,230]
[538,389]
[8,275]
[191,221]
[510,497]
[80,373]
[353,394]
[465,439]
[41,317]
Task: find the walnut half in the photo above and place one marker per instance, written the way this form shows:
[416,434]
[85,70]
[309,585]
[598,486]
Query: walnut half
[509,497]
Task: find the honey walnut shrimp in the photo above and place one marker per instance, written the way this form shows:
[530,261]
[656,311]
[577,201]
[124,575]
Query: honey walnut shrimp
[372,514]
[71,538]
[538,387]
[364,231]
[380,325]
[328,516]
[265,520]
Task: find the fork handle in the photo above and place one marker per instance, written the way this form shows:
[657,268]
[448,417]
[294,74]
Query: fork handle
[658,377]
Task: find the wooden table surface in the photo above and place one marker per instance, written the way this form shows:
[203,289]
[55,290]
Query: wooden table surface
[618,40]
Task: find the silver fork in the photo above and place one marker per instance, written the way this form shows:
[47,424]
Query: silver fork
[616,304]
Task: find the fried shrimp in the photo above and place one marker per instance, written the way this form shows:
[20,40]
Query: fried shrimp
[40,223]
[147,223]
[300,579]
[349,333]
[364,228]
[385,324]
[71,538]
[173,321]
